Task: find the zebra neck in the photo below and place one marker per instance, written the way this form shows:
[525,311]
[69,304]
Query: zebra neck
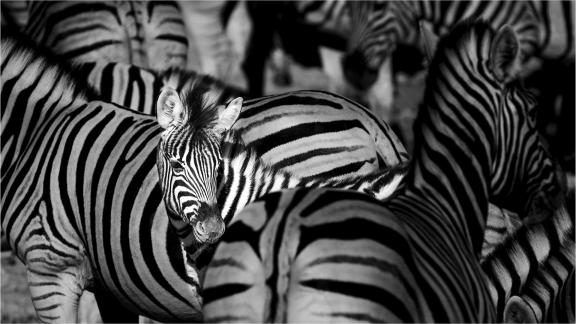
[246,177]
[451,170]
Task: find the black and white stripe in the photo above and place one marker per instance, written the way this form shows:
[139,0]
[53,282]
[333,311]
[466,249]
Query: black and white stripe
[294,255]
[91,223]
[398,22]
[149,34]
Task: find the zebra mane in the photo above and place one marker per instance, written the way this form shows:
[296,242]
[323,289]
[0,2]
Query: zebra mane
[201,94]
[24,51]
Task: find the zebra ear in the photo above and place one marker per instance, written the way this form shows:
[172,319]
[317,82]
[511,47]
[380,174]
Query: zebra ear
[228,116]
[504,54]
[169,108]
[429,40]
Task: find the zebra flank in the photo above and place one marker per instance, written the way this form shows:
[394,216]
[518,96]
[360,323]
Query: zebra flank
[148,34]
[297,255]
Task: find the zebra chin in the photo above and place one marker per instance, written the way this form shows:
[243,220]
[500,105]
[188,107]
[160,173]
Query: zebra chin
[210,226]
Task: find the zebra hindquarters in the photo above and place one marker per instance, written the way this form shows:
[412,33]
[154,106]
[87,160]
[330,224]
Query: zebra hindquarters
[312,256]
[348,263]
[234,286]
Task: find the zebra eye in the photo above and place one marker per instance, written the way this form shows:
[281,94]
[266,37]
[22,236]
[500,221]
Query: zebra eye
[176,166]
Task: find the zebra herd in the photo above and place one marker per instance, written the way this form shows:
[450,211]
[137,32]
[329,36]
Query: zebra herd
[169,195]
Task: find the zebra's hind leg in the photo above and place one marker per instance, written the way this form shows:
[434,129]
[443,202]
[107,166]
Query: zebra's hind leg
[56,293]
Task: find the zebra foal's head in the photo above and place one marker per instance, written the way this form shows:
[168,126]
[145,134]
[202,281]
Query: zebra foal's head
[189,159]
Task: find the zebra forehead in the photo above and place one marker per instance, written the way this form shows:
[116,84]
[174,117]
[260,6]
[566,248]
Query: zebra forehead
[185,139]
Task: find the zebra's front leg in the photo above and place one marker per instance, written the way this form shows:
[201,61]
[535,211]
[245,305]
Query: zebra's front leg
[56,294]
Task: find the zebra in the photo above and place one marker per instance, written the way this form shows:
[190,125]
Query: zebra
[207,24]
[135,87]
[443,201]
[149,34]
[556,29]
[517,262]
[549,295]
[14,13]
[87,216]
[366,55]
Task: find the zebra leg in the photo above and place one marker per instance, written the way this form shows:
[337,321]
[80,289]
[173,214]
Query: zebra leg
[111,309]
[56,294]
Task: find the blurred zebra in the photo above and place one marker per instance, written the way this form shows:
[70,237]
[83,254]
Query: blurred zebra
[207,24]
[385,23]
[14,13]
[135,87]
[476,140]
[74,174]
[556,22]
[149,34]
[549,294]
[545,29]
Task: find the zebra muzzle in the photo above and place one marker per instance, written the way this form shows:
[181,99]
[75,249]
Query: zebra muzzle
[210,227]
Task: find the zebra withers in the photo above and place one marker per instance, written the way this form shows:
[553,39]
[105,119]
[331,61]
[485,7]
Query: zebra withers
[475,141]
[149,34]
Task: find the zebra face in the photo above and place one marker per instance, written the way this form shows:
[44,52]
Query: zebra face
[189,176]
[523,173]
[535,191]
[189,160]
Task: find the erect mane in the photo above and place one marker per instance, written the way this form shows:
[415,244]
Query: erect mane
[201,94]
